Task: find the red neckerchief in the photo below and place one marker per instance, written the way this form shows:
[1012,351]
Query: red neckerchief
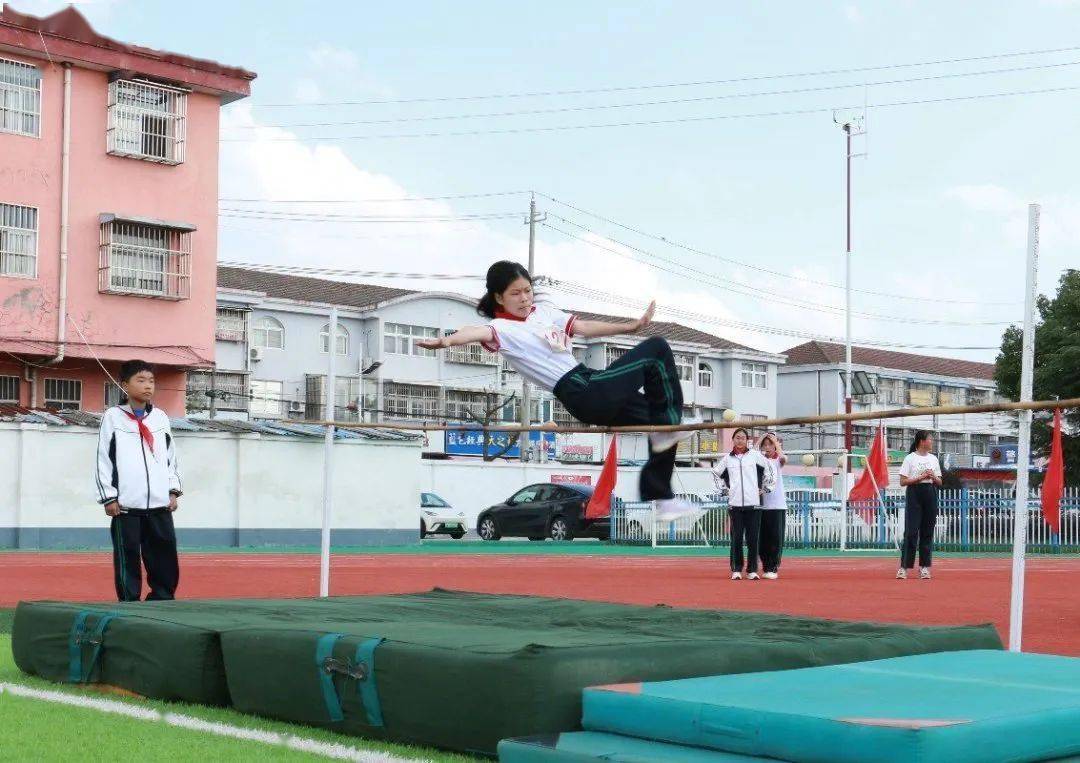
[734,452]
[144,431]
[511,317]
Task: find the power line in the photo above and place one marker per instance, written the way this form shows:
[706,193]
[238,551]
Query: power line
[753,292]
[364,218]
[658,122]
[607,297]
[287,217]
[749,266]
[666,102]
[312,270]
[664,85]
[447,197]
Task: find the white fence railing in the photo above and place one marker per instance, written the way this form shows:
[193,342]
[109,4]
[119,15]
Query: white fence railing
[968,520]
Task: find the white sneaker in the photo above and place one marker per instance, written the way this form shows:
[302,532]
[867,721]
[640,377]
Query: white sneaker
[670,509]
[924,573]
[753,576]
[771,575]
[661,441]
[901,574]
[736,576]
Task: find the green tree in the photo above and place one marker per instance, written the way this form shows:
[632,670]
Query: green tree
[1057,368]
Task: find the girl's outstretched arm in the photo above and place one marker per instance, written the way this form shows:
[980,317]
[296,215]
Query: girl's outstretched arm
[603,328]
[467,335]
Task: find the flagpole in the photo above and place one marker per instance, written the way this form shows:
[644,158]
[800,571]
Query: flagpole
[1016,604]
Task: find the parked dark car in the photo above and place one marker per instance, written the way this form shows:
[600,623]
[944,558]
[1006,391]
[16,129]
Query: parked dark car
[543,511]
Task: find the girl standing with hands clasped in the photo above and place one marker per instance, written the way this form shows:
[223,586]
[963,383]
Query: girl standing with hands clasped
[921,475]
[773,508]
[746,477]
[535,339]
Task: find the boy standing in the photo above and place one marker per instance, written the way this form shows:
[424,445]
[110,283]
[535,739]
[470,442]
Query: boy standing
[138,483]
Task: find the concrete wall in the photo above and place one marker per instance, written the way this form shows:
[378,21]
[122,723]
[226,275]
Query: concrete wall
[245,490]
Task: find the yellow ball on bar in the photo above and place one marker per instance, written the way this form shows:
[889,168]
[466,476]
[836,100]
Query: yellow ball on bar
[729,415]
[808,459]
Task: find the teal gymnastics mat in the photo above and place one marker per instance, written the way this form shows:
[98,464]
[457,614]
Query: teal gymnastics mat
[990,706]
[584,746]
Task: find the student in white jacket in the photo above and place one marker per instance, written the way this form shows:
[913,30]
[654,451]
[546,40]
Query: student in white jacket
[746,477]
[138,483]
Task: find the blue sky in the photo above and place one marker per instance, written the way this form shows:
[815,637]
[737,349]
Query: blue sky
[940,197]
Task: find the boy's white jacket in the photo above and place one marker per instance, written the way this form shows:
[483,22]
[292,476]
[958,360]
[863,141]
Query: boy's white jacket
[127,470]
[744,476]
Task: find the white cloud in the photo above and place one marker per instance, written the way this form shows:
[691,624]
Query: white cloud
[330,57]
[853,14]
[307,90]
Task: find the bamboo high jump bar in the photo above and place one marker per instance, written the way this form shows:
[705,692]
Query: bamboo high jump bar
[895,413]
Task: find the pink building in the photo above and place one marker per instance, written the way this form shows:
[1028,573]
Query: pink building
[108,210]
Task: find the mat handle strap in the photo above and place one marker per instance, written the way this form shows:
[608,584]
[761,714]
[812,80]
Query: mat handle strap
[325,664]
[78,670]
[369,691]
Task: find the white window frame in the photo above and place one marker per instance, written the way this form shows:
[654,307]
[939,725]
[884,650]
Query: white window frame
[230,324]
[705,375]
[684,364]
[261,330]
[144,260]
[410,401]
[342,340]
[266,398]
[8,386]
[461,401]
[470,354]
[10,214]
[400,339]
[66,394]
[754,375]
[614,352]
[20,101]
[131,110]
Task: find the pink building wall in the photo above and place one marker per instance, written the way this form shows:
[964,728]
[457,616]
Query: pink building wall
[174,335]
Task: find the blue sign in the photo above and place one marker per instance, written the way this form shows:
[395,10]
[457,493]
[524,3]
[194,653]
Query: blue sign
[470,442]
[1005,454]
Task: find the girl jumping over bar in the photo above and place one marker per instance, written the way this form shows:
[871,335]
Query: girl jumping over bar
[535,339]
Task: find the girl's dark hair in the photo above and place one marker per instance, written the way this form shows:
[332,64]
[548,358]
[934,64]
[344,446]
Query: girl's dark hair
[499,277]
[740,429]
[920,435]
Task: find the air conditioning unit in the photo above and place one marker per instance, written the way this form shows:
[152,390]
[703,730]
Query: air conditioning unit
[295,406]
[255,353]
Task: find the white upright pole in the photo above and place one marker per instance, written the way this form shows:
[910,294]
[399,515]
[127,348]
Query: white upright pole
[328,459]
[1016,608]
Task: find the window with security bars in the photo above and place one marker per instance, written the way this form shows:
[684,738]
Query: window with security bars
[704,375]
[18,241]
[611,353]
[266,398]
[952,396]
[460,403]
[560,415]
[922,395]
[755,375]
[981,444]
[685,366]
[113,395]
[400,339]
[63,394]
[891,391]
[9,390]
[231,324]
[979,396]
[471,354]
[951,442]
[20,98]
[410,401]
[147,121]
[897,438]
[144,260]
[861,437]
[228,390]
[346,398]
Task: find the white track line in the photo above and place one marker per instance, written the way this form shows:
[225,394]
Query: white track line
[300,744]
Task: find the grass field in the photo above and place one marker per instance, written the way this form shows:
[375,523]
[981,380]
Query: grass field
[32,729]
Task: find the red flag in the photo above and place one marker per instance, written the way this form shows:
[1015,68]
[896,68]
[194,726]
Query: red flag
[1054,482]
[600,503]
[876,471]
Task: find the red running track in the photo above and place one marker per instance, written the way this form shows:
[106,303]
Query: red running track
[963,590]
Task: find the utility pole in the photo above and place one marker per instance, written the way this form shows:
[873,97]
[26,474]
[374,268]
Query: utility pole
[848,438]
[526,393]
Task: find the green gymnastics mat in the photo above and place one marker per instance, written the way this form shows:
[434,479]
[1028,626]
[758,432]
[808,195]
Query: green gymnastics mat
[961,707]
[584,746]
[444,669]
